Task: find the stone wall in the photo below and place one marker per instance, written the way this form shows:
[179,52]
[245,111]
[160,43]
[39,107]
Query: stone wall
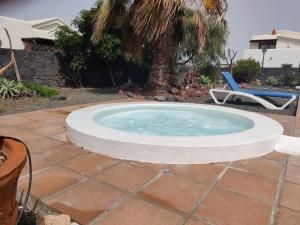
[279,72]
[35,66]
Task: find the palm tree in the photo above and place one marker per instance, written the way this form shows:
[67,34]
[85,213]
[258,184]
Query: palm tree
[162,22]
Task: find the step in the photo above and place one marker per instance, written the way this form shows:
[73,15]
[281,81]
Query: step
[289,145]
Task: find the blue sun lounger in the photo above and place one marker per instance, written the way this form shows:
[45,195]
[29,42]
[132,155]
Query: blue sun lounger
[255,95]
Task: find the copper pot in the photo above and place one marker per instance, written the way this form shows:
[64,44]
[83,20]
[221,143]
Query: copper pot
[9,175]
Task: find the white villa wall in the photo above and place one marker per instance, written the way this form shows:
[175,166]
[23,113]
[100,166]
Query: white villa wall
[284,43]
[274,58]
[19,29]
[50,27]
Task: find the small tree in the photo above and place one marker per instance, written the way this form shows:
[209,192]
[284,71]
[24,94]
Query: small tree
[213,51]
[207,61]
[79,51]
[246,70]
[229,57]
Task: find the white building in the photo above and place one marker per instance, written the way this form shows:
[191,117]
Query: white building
[22,31]
[283,49]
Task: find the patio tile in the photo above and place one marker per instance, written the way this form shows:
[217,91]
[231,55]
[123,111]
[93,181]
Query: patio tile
[55,120]
[294,160]
[41,144]
[63,137]
[62,153]
[276,156]
[2,125]
[291,196]
[9,131]
[26,135]
[138,212]
[153,166]
[127,176]
[50,181]
[260,166]
[248,184]
[205,173]
[30,125]
[48,130]
[90,164]
[293,174]
[297,131]
[287,217]
[227,208]
[37,164]
[14,120]
[85,201]
[59,111]
[174,192]
[193,222]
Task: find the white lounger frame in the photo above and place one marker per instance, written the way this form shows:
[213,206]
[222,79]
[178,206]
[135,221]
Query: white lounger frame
[262,101]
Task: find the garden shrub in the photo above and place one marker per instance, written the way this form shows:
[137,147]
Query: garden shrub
[42,90]
[205,80]
[246,70]
[10,88]
[271,80]
[213,72]
[288,80]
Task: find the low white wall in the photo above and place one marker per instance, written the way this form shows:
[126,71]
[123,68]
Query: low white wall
[274,58]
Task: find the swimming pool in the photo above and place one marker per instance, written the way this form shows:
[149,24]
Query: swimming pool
[173,133]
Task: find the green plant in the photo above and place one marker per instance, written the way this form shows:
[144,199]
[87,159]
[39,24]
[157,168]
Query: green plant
[213,72]
[79,52]
[42,90]
[246,70]
[205,80]
[10,88]
[288,80]
[271,80]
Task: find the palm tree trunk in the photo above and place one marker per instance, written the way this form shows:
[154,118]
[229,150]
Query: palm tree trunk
[112,78]
[158,81]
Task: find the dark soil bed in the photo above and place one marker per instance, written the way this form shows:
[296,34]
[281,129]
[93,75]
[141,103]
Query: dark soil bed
[90,95]
[73,97]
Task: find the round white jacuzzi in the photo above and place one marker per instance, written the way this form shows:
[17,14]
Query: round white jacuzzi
[173,133]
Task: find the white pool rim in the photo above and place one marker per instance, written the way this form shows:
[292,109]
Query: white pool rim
[261,139]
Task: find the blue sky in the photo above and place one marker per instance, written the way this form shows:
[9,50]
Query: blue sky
[245,17]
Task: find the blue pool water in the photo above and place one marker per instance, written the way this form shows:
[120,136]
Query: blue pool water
[172,121]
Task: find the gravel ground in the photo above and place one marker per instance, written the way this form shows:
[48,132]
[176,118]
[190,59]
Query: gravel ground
[89,95]
[75,96]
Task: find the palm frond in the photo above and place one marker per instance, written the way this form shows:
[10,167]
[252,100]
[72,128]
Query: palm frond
[199,21]
[152,18]
[204,9]
[102,19]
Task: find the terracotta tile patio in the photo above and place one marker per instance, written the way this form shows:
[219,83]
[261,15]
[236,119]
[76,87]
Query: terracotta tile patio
[99,190]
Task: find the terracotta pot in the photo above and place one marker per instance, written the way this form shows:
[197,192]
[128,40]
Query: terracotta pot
[9,174]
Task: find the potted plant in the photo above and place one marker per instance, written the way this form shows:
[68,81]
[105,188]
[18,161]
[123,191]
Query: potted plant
[13,160]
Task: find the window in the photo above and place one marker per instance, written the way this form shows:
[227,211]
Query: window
[287,65]
[267,44]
